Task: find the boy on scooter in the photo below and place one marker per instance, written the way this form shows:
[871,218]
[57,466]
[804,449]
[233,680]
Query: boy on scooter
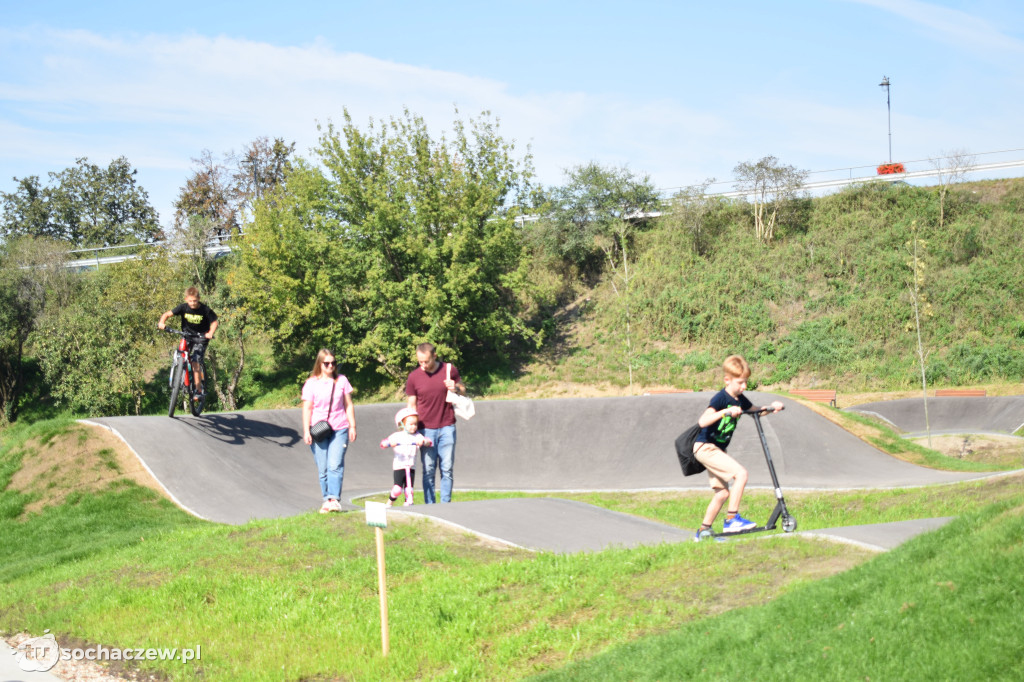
[728,477]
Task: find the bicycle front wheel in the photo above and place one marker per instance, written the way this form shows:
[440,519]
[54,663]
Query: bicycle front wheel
[175,385]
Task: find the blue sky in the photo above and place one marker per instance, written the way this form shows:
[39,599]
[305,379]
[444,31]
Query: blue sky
[681,91]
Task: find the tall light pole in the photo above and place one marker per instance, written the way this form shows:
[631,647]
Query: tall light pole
[888,107]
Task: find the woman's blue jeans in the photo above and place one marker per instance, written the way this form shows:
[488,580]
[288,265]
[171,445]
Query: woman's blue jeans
[329,455]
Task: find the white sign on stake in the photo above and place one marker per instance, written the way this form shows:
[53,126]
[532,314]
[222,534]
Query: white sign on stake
[376,514]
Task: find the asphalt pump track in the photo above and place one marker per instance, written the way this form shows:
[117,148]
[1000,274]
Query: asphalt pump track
[234,467]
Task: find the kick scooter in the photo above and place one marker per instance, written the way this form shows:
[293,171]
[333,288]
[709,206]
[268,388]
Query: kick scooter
[788,522]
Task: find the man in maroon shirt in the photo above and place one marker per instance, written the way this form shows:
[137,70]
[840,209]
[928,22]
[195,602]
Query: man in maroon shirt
[426,390]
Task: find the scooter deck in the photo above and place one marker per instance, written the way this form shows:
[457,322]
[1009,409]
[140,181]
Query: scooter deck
[756,529]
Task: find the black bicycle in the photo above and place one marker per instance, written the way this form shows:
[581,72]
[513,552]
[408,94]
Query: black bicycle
[188,378]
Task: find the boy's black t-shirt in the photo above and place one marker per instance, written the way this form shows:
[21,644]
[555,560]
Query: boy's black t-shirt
[196,321]
[720,433]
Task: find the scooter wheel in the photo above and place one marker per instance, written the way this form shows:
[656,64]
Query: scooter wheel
[788,524]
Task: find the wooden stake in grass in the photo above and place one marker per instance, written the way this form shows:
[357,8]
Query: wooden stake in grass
[376,516]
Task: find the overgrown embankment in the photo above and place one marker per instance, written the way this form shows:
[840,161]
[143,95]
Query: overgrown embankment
[827,302]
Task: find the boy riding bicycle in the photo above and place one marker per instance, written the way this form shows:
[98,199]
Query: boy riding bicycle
[196,318]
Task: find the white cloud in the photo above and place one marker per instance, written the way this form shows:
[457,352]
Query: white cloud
[952,26]
[160,100]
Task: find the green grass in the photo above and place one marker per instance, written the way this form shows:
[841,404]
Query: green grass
[84,526]
[296,598]
[261,599]
[825,509]
[925,611]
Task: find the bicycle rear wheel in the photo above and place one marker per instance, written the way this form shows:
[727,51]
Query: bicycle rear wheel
[175,385]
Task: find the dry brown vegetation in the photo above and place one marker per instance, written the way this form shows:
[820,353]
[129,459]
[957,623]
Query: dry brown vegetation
[86,458]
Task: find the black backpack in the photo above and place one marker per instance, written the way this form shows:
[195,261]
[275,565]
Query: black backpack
[684,450]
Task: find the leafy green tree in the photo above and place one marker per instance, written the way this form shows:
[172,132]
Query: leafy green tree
[403,237]
[596,203]
[26,210]
[688,212]
[206,199]
[226,357]
[32,275]
[772,187]
[259,169]
[84,205]
[93,351]
[599,211]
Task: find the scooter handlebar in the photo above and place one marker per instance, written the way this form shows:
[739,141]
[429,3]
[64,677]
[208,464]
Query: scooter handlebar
[763,410]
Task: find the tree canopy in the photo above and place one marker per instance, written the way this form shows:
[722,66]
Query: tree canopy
[593,210]
[771,186]
[84,205]
[398,237]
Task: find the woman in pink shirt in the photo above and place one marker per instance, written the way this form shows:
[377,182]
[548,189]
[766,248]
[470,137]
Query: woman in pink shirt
[327,395]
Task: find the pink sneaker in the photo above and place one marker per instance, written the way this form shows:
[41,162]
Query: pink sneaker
[389,503]
[326,507]
[335,505]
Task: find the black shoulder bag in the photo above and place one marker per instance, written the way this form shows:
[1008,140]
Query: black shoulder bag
[684,450]
[322,430]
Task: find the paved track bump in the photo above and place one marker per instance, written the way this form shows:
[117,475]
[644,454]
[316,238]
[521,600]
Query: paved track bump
[238,466]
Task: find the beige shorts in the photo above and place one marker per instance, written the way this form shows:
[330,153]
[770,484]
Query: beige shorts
[721,467]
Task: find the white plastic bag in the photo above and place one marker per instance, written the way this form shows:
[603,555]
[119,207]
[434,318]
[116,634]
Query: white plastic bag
[464,407]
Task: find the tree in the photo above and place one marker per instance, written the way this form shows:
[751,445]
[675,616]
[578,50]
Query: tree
[772,188]
[226,358]
[26,211]
[690,208]
[32,277]
[951,169]
[92,354]
[206,199]
[919,301]
[84,205]
[223,193]
[593,202]
[258,170]
[602,208]
[402,237]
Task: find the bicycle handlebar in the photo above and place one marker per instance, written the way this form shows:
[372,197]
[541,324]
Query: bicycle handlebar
[188,335]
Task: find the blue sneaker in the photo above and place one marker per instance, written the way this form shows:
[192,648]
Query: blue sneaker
[738,523]
[706,535]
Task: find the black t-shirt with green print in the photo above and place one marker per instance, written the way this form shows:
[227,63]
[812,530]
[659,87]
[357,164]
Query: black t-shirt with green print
[720,433]
[196,321]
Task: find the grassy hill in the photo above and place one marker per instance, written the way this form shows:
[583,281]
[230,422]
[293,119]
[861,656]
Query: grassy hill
[826,303]
[101,560]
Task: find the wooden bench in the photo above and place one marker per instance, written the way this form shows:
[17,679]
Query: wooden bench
[960,393]
[816,395]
